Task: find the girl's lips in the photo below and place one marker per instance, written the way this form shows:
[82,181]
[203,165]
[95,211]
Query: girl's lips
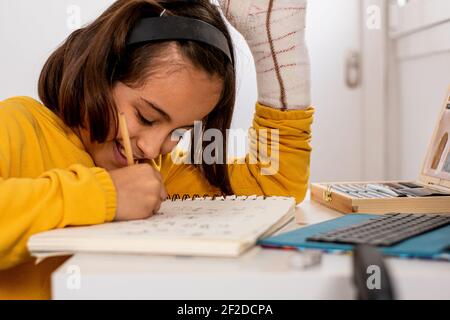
[120,158]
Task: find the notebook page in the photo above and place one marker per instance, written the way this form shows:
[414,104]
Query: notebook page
[230,220]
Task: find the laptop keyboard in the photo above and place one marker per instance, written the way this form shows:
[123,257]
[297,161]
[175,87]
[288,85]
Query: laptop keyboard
[386,230]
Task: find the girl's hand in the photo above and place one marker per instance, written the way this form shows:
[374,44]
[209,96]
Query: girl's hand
[139,190]
[275,33]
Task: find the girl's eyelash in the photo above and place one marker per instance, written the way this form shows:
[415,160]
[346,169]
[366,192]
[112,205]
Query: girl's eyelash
[143,120]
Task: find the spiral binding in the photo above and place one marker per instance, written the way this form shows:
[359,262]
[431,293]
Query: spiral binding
[216,197]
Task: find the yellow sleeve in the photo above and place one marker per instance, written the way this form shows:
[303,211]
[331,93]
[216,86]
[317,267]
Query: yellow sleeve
[33,199]
[276,166]
[58,198]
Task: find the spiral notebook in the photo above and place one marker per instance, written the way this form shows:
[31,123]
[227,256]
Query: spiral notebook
[204,227]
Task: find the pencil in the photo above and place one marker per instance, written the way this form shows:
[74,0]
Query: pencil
[157,166]
[127,144]
[126,139]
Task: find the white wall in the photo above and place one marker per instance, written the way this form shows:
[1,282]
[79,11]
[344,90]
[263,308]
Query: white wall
[29,32]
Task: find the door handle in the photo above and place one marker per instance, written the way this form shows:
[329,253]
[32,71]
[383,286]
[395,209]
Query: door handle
[353,69]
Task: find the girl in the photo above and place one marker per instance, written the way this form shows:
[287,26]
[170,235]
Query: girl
[62,162]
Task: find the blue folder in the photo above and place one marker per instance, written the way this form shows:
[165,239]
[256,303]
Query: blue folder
[432,245]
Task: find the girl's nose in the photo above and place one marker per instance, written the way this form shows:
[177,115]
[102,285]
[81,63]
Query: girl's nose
[168,146]
[151,146]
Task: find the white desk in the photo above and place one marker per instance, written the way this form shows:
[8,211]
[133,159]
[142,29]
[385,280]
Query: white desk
[258,274]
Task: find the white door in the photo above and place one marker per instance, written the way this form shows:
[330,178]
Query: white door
[333,32]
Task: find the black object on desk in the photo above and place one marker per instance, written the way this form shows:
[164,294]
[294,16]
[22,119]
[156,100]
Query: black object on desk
[371,275]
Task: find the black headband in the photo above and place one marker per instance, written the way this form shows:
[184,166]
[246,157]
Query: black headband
[178,28]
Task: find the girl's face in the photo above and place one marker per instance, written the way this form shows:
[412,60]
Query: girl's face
[168,101]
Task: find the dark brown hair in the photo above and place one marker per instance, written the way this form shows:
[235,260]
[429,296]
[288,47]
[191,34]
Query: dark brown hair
[77,80]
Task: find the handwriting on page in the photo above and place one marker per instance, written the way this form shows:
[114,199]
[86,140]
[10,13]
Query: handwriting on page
[203,219]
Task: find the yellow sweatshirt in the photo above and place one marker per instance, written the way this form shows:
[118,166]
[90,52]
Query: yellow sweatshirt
[49,181]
